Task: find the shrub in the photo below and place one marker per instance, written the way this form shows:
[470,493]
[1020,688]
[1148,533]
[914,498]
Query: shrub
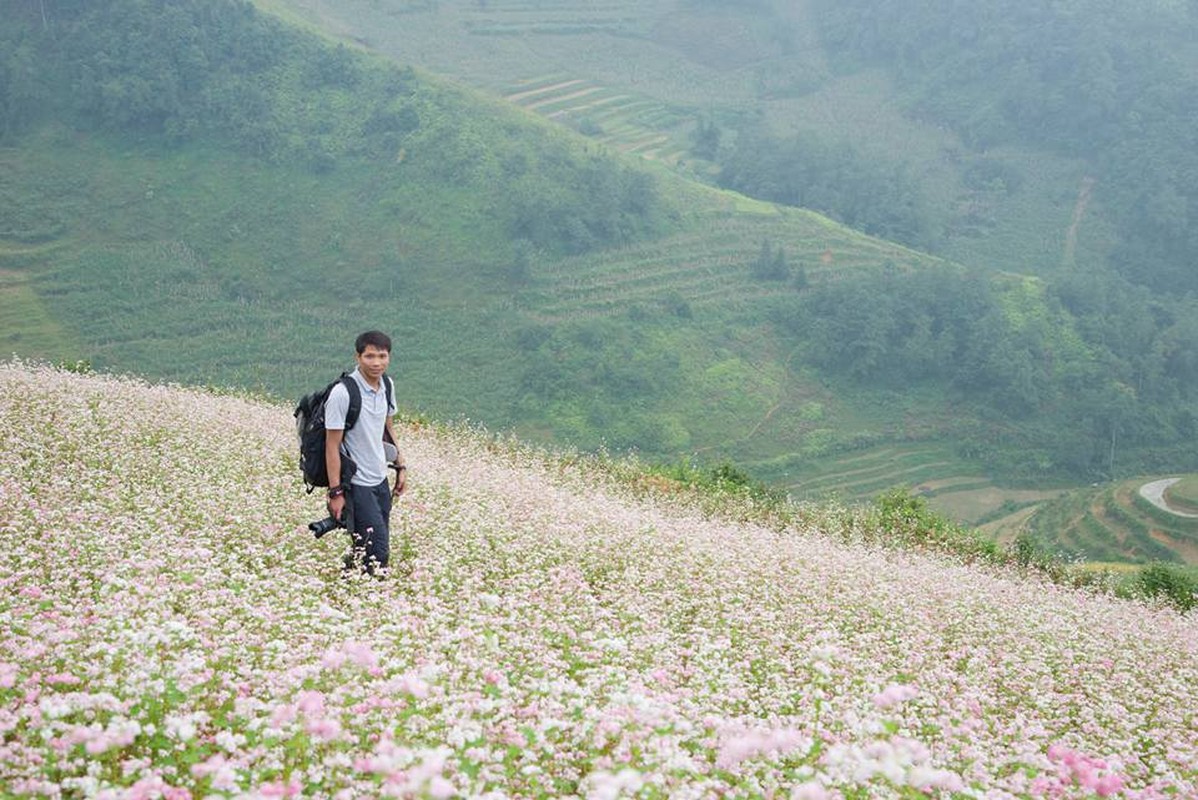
[1169,582]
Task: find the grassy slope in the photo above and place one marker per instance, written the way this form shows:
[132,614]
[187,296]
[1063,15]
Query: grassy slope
[231,256]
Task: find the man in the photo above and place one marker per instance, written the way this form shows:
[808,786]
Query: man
[366,500]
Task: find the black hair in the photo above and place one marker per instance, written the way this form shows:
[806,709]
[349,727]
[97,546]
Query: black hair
[377,338]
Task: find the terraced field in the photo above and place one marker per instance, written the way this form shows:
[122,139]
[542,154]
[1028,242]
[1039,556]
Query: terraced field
[621,120]
[710,267]
[1117,523]
[633,75]
[522,17]
[926,469]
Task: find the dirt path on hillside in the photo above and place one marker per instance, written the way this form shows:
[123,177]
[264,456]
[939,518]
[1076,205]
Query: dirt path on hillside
[789,376]
[1079,212]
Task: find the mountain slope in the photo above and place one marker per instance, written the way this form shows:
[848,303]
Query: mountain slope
[189,240]
[205,194]
[686,83]
[171,627]
[814,104]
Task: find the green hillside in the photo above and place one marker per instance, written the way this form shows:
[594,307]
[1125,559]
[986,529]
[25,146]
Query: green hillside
[786,102]
[649,77]
[203,193]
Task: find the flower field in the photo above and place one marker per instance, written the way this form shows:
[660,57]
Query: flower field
[171,630]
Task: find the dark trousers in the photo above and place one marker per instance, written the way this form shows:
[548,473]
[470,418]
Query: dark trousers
[368,514]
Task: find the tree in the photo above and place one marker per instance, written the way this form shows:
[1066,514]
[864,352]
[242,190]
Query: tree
[770,264]
[706,140]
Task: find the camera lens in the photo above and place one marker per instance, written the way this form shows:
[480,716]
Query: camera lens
[323,526]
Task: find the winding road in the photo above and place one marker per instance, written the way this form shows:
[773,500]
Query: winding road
[1155,493]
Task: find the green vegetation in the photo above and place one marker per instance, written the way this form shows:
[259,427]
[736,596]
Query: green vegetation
[874,194]
[699,85]
[1165,581]
[200,192]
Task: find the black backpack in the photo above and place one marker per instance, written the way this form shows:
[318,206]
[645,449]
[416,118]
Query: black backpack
[309,427]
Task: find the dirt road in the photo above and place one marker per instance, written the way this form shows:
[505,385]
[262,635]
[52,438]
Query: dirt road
[1155,493]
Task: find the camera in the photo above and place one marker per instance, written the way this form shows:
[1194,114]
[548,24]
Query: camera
[322,526]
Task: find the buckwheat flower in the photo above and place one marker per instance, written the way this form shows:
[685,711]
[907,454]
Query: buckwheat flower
[413,685]
[54,707]
[323,729]
[182,728]
[229,741]
[810,790]
[333,659]
[895,694]
[361,654]
[440,788]
[283,715]
[96,746]
[310,702]
[750,744]
[62,679]
[1109,785]
[927,779]
[609,786]
[291,788]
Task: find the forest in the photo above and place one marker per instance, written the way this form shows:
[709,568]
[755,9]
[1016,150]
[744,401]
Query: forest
[1112,83]
[1078,367]
[182,70]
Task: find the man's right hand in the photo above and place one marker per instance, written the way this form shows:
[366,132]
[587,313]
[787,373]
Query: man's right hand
[336,506]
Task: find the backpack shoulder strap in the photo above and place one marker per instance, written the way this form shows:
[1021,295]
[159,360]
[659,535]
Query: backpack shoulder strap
[390,392]
[355,399]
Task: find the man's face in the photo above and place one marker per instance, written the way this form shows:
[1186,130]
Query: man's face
[373,361]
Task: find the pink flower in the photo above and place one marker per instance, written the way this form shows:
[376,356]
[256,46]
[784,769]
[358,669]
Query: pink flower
[440,788]
[8,675]
[310,702]
[62,679]
[323,730]
[894,694]
[291,788]
[333,659]
[414,685]
[1108,785]
[361,654]
[750,744]
[811,790]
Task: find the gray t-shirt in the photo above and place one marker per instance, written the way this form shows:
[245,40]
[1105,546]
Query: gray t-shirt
[364,441]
